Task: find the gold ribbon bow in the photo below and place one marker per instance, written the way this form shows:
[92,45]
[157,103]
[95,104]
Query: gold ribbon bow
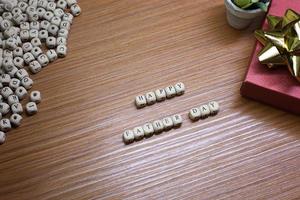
[281,42]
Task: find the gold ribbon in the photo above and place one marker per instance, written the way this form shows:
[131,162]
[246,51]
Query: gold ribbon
[281,42]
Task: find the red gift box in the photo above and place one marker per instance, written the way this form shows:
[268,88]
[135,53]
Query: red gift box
[277,86]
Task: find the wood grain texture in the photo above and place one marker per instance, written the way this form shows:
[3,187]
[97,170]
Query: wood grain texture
[72,149]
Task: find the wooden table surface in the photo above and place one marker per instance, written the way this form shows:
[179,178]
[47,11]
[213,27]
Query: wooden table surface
[73,149]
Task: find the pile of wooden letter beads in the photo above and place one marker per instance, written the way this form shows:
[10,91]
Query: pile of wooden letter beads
[33,34]
[159,95]
[212,108]
[148,129]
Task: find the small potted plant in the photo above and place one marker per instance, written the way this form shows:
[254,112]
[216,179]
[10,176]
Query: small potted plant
[243,13]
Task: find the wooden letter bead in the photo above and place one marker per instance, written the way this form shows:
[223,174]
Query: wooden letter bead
[7,53]
[177,120]
[138,133]
[33,16]
[52,55]
[68,17]
[31,108]
[14,83]
[5,79]
[170,91]
[12,99]
[63,33]
[43,3]
[168,123]
[2,137]
[7,15]
[61,51]
[160,94]
[35,67]
[43,35]
[51,6]
[35,25]
[16,119]
[61,41]
[11,44]
[150,98]
[28,57]
[35,96]
[4,108]
[33,3]
[65,25]
[22,6]
[128,136]
[43,60]
[18,62]
[21,92]
[16,108]
[53,30]
[36,51]
[5,125]
[71,2]
[33,33]
[158,126]
[148,129]
[195,114]
[36,42]
[24,35]
[75,10]
[18,52]
[205,112]
[6,92]
[140,101]
[180,88]
[21,73]
[58,12]
[8,63]
[48,16]
[213,107]
[8,6]
[24,26]
[5,24]
[41,12]
[56,21]
[30,9]
[45,24]
[27,82]
[51,42]
[25,17]
[12,71]
[61,4]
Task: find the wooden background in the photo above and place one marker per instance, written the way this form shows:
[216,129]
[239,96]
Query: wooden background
[73,149]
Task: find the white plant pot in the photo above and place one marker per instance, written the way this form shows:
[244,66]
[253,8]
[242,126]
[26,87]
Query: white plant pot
[240,19]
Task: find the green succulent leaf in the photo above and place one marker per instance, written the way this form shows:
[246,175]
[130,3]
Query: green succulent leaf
[247,6]
[242,3]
